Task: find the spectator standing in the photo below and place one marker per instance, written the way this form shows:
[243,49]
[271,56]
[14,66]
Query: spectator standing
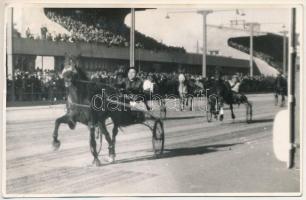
[43,32]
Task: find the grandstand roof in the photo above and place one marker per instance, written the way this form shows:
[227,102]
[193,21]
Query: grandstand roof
[270,44]
[223,37]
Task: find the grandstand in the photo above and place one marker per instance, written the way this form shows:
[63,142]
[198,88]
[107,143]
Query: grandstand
[106,26]
[101,39]
[268,48]
[223,41]
[103,25]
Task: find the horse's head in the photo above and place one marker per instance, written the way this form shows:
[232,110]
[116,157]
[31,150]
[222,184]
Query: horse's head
[70,70]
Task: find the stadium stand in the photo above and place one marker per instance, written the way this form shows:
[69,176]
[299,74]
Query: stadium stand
[95,25]
[267,47]
[223,34]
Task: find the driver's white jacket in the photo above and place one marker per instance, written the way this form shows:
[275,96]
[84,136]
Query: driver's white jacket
[148,85]
[235,86]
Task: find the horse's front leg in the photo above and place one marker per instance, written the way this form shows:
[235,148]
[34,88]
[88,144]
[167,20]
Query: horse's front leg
[191,104]
[220,105]
[276,99]
[111,148]
[146,104]
[163,105]
[93,145]
[232,111]
[64,119]
[115,132]
[182,102]
[283,100]
[221,113]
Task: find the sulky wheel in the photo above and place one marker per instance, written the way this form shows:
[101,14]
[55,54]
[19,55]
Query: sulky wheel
[98,137]
[158,138]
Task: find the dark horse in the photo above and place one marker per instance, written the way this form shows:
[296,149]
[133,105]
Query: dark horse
[86,105]
[224,93]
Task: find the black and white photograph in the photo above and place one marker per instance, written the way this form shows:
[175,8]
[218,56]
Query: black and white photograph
[152,100]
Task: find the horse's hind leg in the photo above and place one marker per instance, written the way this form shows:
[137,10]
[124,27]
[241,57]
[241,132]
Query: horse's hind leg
[191,104]
[220,106]
[181,103]
[64,119]
[275,99]
[232,111]
[147,105]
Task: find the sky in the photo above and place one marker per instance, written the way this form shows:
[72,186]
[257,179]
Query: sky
[184,29]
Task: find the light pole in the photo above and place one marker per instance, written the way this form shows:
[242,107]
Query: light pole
[204,13]
[251,49]
[132,38]
[251,26]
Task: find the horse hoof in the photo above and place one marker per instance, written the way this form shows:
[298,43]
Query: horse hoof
[56,145]
[96,162]
[110,159]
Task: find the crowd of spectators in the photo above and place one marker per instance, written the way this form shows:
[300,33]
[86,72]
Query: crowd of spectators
[95,29]
[100,29]
[38,85]
[47,85]
[87,32]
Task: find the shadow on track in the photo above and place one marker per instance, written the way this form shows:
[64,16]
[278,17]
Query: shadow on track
[176,152]
[178,118]
[254,121]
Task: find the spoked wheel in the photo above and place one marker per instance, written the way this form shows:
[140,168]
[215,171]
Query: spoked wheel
[209,113]
[249,112]
[158,138]
[98,137]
